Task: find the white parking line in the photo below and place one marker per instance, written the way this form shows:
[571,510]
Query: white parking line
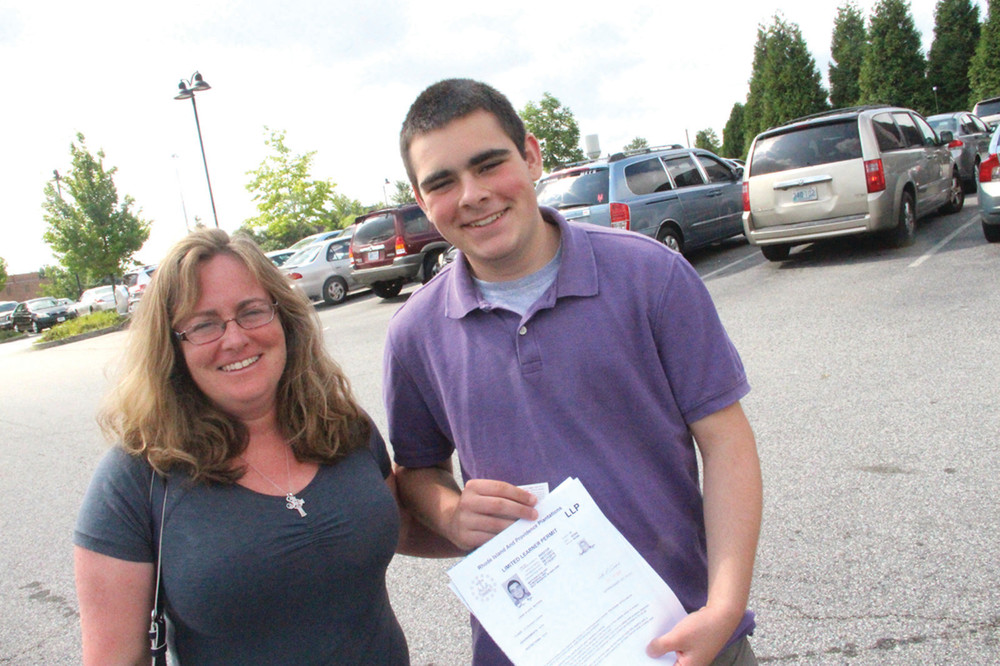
[931,252]
[729,265]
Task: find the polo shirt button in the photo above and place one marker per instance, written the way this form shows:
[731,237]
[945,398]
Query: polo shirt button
[523,330]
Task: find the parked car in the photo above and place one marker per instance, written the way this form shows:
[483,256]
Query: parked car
[136,281]
[862,170]
[40,313]
[102,298]
[989,191]
[323,270]
[969,144]
[989,111]
[279,257]
[316,238]
[393,246]
[6,308]
[683,197]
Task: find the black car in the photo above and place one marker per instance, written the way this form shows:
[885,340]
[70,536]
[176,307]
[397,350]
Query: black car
[40,313]
[6,308]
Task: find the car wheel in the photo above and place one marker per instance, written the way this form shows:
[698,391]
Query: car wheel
[903,233]
[775,252]
[334,291]
[992,232]
[670,238]
[35,328]
[956,198]
[432,265]
[388,289]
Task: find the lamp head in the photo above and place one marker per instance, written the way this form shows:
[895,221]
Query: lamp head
[184,92]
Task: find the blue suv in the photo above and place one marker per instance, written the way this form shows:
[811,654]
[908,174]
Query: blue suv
[683,197]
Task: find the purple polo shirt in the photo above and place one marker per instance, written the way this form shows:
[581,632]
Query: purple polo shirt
[599,380]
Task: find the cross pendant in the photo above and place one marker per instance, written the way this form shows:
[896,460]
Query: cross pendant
[295,503]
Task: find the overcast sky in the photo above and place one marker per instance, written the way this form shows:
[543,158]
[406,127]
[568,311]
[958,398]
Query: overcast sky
[338,77]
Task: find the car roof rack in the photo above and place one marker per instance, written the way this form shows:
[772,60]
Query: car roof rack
[835,112]
[642,151]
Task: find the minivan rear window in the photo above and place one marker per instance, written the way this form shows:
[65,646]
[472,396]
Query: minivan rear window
[579,187]
[988,108]
[806,146]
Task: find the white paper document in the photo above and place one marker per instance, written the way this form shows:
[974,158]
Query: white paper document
[566,588]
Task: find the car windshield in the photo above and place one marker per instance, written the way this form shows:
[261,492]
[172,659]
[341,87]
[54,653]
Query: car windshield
[579,187]
[806,146]
[6,307]
[42,303]
[943,124]
[305,256]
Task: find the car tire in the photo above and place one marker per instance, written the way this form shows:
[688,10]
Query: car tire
[389,289]
[671,238]
[992,232]
[956,198]
[334,290]
[905,230]
[35,328]
[775,252]
[432,265]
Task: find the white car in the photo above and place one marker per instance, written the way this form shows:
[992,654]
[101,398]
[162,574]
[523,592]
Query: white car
[989,191]
[136,281]
[323,270]
[103,298]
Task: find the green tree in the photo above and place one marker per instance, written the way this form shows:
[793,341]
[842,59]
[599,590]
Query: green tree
[733,144]
[847,51]
[707,139]
[59,283]
[3,273]
[784,82]
[984,70]
[892,71]
[290,203]
[403,193]
[556,130]
[90,231]
[638,143]
[956,33]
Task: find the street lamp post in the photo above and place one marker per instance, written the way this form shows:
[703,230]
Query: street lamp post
[188,87]
[936,109]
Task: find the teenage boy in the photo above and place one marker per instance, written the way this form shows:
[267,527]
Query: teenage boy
[548,350]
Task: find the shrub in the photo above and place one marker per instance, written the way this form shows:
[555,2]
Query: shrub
[85,324]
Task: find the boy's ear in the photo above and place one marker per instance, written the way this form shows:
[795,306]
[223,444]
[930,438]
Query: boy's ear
[533,156]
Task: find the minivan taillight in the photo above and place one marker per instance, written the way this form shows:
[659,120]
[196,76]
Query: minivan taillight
[746,197]
[400,246]
[621,217]
[874,176]
[989,170]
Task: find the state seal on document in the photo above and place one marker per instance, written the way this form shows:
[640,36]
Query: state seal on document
[483,587]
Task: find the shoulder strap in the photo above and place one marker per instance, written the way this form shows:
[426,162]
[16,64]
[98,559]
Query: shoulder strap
[157,624]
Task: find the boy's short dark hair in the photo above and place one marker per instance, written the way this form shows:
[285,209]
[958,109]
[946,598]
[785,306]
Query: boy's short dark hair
[449,100]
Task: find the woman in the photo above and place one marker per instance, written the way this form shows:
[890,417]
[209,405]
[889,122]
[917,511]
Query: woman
[279,519]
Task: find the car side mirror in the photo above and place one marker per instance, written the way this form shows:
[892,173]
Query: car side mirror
[946,136]
[738,172]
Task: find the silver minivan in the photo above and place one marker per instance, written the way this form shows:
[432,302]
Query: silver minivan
[849,171]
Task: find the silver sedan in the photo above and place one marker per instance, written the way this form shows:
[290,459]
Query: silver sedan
[989,191]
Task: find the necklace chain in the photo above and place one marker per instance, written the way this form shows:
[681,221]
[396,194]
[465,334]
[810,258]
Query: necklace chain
[291,501]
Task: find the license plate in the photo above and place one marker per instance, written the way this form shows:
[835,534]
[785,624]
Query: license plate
[804,194]
[373,256]
[60,318]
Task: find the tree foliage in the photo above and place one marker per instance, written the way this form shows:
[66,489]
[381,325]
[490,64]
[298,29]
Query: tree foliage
[403,194]
[785,82]
[60,283]
[556,129]
[90,231]
[3,273]
[956,33]
[707,139]
[733,144]
[984,69]
[892,71]
[638,143]
[290,203]
[847,51]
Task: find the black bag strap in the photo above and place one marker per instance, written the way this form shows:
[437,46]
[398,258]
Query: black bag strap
[157,623]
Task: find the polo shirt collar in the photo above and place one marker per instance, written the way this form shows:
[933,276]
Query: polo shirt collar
[577,271]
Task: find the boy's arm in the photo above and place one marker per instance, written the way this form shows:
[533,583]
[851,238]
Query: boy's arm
[467,517]
[732,505]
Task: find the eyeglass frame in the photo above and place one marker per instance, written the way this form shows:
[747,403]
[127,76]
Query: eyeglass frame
[182,335]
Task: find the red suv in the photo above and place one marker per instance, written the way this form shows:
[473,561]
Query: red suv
[393,246]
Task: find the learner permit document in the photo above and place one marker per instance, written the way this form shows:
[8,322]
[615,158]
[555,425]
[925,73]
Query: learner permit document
[567,588]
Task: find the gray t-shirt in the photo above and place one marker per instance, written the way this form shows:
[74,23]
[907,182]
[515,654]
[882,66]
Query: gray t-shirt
[248,581]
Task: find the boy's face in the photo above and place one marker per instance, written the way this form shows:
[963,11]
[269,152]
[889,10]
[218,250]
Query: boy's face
[479,191]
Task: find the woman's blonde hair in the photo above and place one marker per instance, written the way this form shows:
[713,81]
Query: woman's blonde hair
[158,412]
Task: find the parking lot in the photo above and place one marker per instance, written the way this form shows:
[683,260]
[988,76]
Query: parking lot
[874,375]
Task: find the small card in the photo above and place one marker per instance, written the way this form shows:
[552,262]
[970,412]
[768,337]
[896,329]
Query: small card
[539,490]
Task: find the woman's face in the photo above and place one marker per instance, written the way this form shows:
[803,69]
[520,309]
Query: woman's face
[240,371]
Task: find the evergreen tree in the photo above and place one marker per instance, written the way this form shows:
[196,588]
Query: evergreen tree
[785,82]
[847,50]
[556,130]
[732,134]
[956,33]
[707,139]
[892,71]
[403,193]
[984,70]
[91,233]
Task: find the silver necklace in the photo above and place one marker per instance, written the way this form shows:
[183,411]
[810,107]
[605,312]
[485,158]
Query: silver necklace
[291,501]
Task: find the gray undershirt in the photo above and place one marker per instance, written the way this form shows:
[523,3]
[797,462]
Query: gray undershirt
[519,295]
